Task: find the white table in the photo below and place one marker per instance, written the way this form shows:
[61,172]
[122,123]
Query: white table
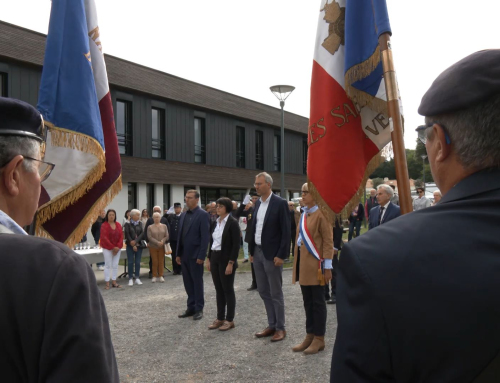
[95,256]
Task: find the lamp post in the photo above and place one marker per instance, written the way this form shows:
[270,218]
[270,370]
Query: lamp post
[282,92]
[424,156]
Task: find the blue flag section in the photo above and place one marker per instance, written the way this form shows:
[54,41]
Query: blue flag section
[365,21]
[67,97]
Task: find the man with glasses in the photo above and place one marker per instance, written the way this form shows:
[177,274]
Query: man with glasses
[53,314]
[421,202]
[418,296]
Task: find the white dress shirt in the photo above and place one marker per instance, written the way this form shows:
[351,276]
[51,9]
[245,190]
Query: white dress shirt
[217,234]
[261,214]
[385,211]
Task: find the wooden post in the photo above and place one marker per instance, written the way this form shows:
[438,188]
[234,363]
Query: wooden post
[391,87]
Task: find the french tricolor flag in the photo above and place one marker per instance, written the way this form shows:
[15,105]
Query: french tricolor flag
[76,104]
[349,123]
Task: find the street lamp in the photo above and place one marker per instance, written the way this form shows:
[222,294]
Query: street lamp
[424,156]
[282,92]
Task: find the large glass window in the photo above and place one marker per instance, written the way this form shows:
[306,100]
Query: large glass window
[166,197]
[150,198]
[259,150]
[305,148]
[132,196]
[240,147]
[158,133]
[124,126]
[277,153]
[199,140]
[3,85]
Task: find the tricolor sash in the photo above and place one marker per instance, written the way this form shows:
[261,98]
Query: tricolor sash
[307,238]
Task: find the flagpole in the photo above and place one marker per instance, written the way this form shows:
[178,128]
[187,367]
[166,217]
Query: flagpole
[396,126]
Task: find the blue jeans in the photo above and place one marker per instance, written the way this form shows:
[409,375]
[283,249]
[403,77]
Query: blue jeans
[352,224]
[134,258]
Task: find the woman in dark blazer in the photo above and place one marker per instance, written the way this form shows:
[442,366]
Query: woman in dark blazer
[134,234]
[222,263]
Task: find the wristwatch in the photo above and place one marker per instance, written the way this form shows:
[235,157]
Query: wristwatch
[231,262]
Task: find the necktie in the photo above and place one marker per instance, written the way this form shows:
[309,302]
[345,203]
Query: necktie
[380,214]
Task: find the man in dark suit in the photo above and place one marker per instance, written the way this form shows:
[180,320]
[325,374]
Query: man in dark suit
[385,211]
[192,247]
[55,323]
[338,232]
[404,311]
[268,247]
[174,220]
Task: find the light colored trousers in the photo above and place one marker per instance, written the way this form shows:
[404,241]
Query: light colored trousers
[245,244]
[110,262]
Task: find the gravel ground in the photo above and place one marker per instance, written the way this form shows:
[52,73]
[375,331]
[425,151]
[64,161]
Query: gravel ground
[153,345]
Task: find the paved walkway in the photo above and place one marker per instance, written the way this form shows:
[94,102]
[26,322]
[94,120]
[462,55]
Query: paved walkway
[153,345]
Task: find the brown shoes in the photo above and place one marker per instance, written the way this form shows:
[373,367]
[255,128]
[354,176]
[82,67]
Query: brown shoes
[305,343]
[278,335]
[317,345]
[226,326]
[267,332]
[217,323]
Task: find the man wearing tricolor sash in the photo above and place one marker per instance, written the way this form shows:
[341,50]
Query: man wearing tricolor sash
[313,268]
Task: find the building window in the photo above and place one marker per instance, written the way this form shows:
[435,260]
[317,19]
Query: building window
[3,85]
[259,150]
[158,133]
[199,140]
[132,196]
[124,126]
[277,153]
[240,147]
[150,198]
[166,197]
[305,148]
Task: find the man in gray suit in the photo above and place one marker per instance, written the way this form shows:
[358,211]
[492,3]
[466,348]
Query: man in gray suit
[269,246]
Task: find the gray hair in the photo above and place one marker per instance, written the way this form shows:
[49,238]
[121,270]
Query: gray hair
[13,145]
[134,212]
[157,207]
[474,133]
[438,192]
[266,176]
[387,189]
[156,214]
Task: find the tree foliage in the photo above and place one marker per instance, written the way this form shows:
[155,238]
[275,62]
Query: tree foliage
[377,181]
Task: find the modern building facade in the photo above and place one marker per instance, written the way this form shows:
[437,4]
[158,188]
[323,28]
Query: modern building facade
[173,134]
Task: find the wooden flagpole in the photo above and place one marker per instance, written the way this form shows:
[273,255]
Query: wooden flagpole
[396,125]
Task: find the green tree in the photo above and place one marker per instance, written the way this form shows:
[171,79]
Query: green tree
[377,181]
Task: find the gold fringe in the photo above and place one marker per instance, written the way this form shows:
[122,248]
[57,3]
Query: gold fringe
[87,221]
[321,277]
[356,198]
[67,139]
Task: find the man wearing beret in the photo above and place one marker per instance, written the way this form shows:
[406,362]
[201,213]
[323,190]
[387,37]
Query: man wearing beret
[174,220]
[55,326]
[422,305]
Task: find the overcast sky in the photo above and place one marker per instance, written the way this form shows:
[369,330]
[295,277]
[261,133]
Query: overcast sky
[243,47]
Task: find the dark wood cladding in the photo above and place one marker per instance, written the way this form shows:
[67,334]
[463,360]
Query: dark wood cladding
[181,173]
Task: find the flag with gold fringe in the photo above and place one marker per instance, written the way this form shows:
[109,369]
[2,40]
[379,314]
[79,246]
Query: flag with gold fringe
[76,104]
[349,124]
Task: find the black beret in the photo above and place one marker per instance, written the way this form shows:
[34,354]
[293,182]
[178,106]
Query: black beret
[177,204]
[18,118]
[466,83]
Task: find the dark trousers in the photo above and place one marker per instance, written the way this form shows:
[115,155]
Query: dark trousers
[293,243]
[315,306]
[176,267]
[335,263]
[192,275]
[224,288]
[354,224]
[254,281]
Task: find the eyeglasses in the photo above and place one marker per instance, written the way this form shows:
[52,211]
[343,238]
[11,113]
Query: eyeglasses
[420,191]
[258,184]
[422,135]
[44,169]
[304,192]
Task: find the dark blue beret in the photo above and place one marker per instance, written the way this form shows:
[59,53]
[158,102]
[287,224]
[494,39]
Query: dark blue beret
[468,82]
[177,204]
[18,118]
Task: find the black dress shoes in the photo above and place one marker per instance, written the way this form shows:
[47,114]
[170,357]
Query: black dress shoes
[186,314]
[252,287]
[198,315]
[332,300]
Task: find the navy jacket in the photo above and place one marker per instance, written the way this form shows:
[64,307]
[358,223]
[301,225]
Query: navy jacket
[393,211]
[195,245]
[417,298]
[276,231]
